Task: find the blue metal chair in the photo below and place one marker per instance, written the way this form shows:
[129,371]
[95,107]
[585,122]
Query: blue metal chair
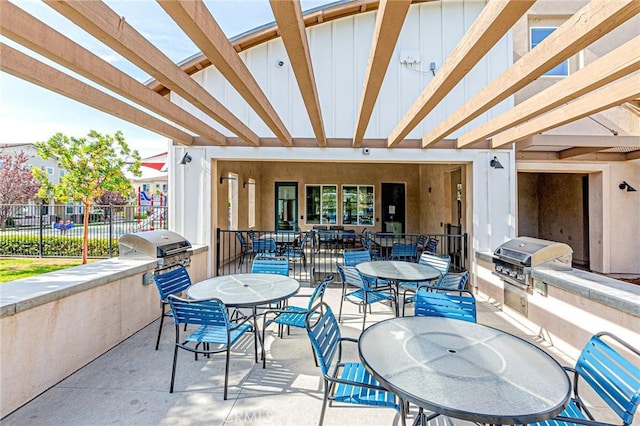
[345,382]
[270,265]
[170,283]
[368,244]
[297,252]
[264,245]
[610,375]
[214,329]
[364,295]
[440,263]
[453,281]
[431,246]
[294,316]
[407,252]
[245,247]
[353,257]
[455,304]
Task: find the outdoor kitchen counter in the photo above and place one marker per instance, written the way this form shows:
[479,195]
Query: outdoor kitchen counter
[27,293]
[610,292]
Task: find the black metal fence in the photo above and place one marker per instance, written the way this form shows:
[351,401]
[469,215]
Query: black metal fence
[57,230]
[323,249]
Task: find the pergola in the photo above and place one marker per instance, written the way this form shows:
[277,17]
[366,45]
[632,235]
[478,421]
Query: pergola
[610,81]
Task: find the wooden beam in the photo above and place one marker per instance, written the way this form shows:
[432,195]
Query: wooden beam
[196,21]
[633,155]
[554,156]
[25,67]
[610,96]
[575,152]
[99,20]
[494,21]
[23,28]
[389,21]
[586,141]
[288,14]
[594,20]
[614,65]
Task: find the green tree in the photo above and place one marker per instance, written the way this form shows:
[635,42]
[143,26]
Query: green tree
[93,165]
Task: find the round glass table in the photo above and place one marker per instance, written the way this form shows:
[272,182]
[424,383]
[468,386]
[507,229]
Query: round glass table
[396,271]
[246,291]
[465,370]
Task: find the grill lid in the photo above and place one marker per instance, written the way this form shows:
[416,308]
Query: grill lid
[159,244]
[528,251]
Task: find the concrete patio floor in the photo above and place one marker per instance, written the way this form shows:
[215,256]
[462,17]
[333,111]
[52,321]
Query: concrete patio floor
[130,383]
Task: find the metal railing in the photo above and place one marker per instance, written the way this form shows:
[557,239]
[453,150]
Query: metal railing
[323,250]
[57,231]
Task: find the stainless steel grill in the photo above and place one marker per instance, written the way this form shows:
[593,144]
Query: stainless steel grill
[171,249]
[514,260]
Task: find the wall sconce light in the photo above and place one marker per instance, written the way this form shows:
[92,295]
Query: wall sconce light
[244,184]
[222,178]
[624,185]
[186,159]
[495,163]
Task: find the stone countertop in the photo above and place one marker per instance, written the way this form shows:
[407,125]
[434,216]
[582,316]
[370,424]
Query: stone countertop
[607,291]
[20,295]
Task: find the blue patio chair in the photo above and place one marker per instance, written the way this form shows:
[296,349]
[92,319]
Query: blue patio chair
[214,329]
[451,281]
[345,382]
[368,244]
[295,252]
[349,238]
[294,316]
[611,376]
[407,252]
[353,257]
[440,263]
[364,294]
[270,265]
[431,246]
[170,283]
[455,304]
[245,247]
[264,245]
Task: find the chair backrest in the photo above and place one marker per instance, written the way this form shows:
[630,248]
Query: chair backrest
[404,251]
[422,240]
[431,246]
[613,377]
[324,333]
[318,292]
[303,241]
[173,282]
[460,304]
[199,312]
[453,281]
[350,275]
[241,238]
[270,265]
[264,244]
[353,257]
[441,263]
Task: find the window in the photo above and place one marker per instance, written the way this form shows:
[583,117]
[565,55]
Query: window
[357,205]
[164,188]
[62,172]
[145,187]
[50,171]
[537,35]
[322,204]
[251,220]
[233,200]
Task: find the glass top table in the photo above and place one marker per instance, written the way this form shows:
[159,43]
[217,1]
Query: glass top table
[246,291]
[465,370]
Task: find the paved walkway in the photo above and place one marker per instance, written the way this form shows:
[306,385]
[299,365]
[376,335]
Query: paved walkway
[130,384]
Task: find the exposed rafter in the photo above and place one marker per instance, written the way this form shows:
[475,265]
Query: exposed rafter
[23,66]
[22,28]
[288,14]
[391,16]
[100,21]
[196,21]
[599,143]
[612,95]
[496,18]
[614,65]
[590,23]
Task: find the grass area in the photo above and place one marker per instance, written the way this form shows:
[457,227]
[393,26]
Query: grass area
[17,268]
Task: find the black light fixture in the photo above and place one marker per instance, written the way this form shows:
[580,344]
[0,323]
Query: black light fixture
[495,163]
[624,185]
[186,159]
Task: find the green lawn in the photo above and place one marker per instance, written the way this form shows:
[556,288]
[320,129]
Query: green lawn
[17,268]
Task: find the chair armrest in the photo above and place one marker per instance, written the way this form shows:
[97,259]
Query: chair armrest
[357,384]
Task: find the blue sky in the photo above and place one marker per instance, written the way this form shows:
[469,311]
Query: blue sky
[29,113]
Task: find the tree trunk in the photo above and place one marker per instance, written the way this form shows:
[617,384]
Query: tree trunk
[85,236]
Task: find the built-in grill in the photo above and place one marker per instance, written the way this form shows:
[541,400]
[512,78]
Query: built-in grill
[514,260]
[169,248]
